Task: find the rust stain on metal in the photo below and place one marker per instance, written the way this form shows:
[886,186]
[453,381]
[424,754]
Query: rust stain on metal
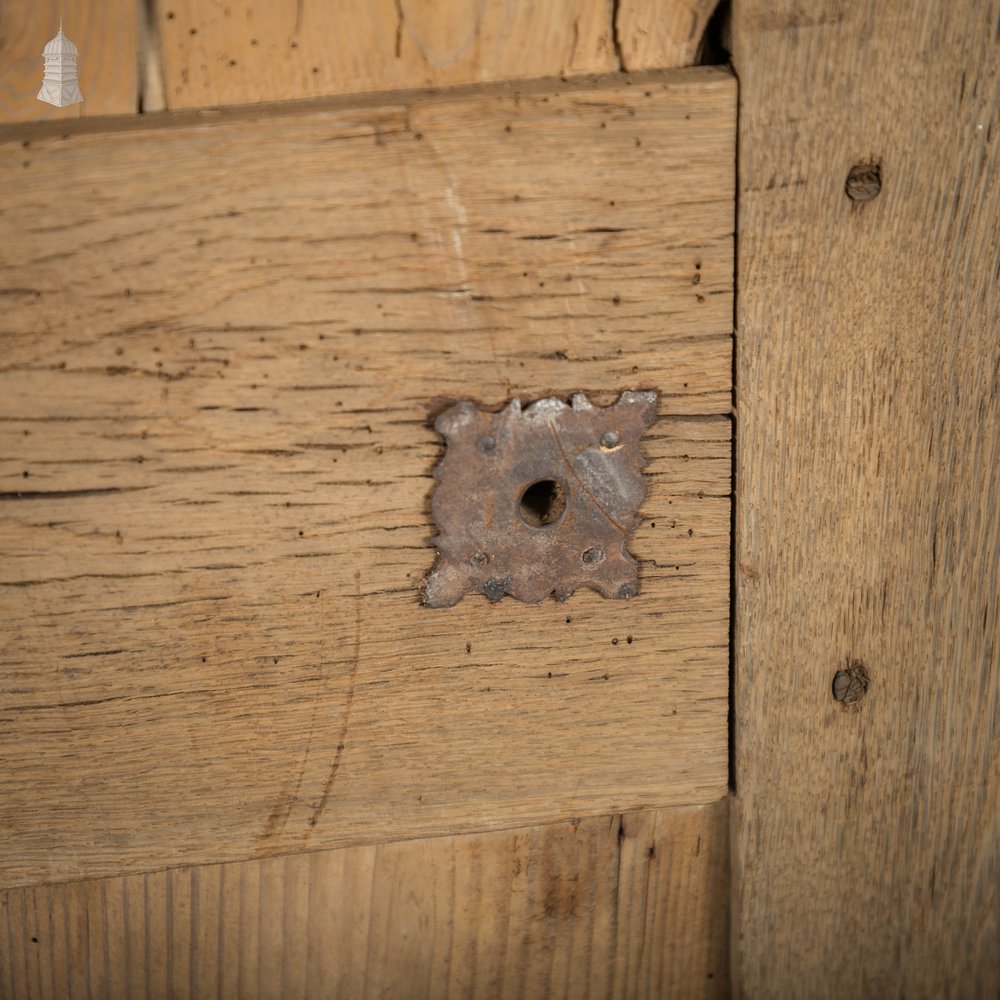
[538,501]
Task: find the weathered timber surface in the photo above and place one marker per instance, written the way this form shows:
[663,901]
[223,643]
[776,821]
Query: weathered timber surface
[215,53]
[105,32]
[658,34]
[204,53]
[631,905]
[224,341]
[867,833]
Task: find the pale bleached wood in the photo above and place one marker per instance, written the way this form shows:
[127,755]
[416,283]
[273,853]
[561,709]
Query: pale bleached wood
[223,345]
[867,837]
[657,34]
[151,80]
[216,53]
[199,53]
[105,32]
[622,906]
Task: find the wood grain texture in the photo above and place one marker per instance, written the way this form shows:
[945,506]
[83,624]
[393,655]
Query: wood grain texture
[105,32]
[867,836]
[216,53]
[657,34]
[631,905]
[223,344]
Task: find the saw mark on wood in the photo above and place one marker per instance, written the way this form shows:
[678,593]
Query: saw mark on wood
[341,740]
[277,819]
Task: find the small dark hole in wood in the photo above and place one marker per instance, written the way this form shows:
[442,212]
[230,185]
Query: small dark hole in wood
[851,684]
[543,503]
[864,181]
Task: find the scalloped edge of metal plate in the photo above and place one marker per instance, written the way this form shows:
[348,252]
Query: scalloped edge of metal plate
[491,543]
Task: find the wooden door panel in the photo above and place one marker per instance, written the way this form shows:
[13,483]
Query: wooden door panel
[224,342]
[631,905]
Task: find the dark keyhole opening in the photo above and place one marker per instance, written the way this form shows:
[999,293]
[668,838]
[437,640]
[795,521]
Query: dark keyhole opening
[543,503]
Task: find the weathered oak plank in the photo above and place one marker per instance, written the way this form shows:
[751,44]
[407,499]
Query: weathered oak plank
[215,53]
[222,349]
[867,836]
[218,54]
[631,905]
[203,53]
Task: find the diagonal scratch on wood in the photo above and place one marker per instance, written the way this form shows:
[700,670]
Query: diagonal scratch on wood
[284,803]
[342,737]
[581,483]
[282,808]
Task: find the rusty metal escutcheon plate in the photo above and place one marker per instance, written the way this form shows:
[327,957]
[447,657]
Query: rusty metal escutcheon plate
[538,501]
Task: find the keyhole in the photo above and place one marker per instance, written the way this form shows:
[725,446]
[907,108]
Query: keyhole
[543,503]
